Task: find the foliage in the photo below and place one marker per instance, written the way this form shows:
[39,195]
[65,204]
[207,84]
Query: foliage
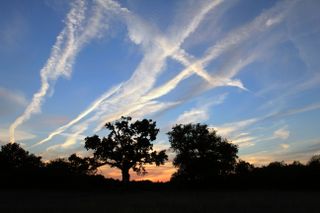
[201,154]
[243,167]
[128,145]
[83,166]
[74,165]
[13,158]
[314,162]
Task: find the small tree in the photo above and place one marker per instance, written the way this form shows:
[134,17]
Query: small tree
[243,167]
[128,145]
[201,154]
[314,162]
[84,166]
[14,158]
[74,165]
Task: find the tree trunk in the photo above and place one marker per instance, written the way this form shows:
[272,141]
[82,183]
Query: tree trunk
[125,175]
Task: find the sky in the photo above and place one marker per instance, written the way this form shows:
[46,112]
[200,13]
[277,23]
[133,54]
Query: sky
[248,69]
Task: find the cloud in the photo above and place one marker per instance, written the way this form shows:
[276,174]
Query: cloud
[258,25]
[20,136]
[199,114]
[231,40]
[193,116]
[11,101]
[293,111]
[76,33]
[243,140]
[14,97]
[136,113]
[214,52]
[303,31]
[137,91]
[128,97]
[285,146]
[299,150]
[81,115]
[69,143]
[282,133]
[289,90]
[229,129]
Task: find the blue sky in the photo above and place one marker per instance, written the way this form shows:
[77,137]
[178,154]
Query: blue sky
[249,69]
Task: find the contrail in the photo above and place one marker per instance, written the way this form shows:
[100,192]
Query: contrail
[150,65]
[168,47]
[72,38]
[261,23]
[196,67]
[49,71]
[94,105]
[172,47]
[137,110]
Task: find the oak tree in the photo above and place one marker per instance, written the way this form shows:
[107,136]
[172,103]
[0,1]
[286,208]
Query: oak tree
[201,154]
[127,146]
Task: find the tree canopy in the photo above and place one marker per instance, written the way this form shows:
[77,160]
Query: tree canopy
[14,158]
[201,154]
[73,165]
[127,146]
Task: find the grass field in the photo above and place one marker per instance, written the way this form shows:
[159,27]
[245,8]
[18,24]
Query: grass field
[161,201]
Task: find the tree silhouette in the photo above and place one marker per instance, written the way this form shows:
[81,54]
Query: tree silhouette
[201,154]
[59,167]
[15,158]
[243,167]
[84,166]
[74,165]
[128,145]
[314,162]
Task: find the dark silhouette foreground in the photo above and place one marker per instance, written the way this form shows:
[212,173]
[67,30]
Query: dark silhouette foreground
[253,201]
[201,155]
[204,161]
[127,146]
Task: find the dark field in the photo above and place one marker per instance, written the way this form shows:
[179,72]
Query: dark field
[161,201]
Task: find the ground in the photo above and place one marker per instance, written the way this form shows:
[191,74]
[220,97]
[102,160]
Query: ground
[270,201]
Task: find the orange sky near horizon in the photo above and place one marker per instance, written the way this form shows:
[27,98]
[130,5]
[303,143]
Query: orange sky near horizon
[164,172]
[155,173]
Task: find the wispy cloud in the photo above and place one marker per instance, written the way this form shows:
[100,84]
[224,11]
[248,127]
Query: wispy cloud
[282,133]
[265,20]
[92,107]
[193,116]
[133,95]
[16,98]
[69,42]
[20,136]
[293,111]
[288,152]
[129,97]
[201,113]
[231,40]
[243,140]
[229,129]
[137,112]
[285,146]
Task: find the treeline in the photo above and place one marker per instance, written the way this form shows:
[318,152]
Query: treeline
[203,160]
[277,174]
[21,169]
